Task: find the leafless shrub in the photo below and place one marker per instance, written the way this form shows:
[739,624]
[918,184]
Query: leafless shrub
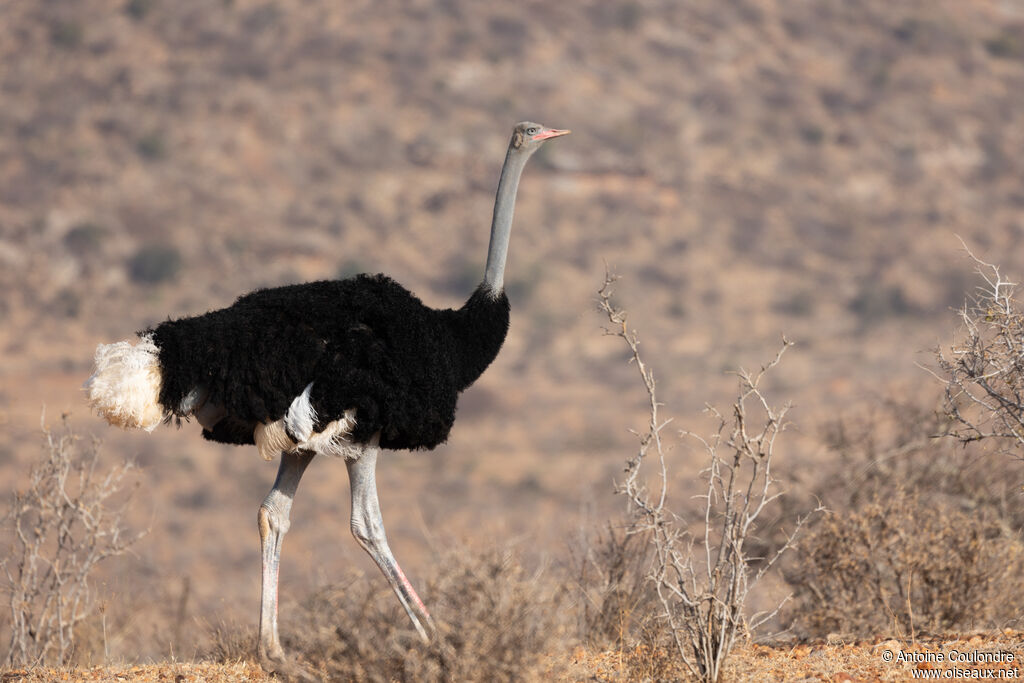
[496,621]
[68,520]
[703,600]
[898,445]
[983,369]
[903,563]
[614,596]
[922,534]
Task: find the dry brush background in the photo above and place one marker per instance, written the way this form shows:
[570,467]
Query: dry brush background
[750,168]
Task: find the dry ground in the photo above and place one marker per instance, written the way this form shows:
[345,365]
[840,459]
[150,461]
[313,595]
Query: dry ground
[836,661]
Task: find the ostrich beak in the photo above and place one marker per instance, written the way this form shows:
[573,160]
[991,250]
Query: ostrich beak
[550,133]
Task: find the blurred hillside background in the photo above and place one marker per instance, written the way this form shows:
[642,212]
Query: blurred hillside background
[751,168]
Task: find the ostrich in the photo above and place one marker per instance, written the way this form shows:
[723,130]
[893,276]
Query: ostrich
[338,368]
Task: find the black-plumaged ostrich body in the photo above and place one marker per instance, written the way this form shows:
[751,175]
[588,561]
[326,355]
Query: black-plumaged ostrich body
[364,344]
[338,368]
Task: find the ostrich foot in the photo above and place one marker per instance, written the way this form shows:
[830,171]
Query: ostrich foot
[277,663]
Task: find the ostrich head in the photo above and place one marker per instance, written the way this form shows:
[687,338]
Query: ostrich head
[528,136]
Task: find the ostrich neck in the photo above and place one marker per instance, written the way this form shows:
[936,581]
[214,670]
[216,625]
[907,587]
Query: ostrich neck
[501,223]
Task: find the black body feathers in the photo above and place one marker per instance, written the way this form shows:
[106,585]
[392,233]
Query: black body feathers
[365,343]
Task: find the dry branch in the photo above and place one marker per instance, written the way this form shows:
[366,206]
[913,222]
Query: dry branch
[62,526]
[703,603]
[983,369]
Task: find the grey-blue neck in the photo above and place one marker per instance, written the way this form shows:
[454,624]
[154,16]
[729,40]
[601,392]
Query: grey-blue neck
[501,223]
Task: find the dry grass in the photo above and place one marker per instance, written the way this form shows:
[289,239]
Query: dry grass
[905,563]
[178,672]
[853,661]
[923,534]
[842,662]
[615,598]
[496,620]
[836,661]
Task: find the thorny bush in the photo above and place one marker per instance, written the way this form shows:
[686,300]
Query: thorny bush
[982,371]
[922,533]
[703,579]
[69,519]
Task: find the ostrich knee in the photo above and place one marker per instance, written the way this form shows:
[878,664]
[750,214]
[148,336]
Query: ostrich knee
[368,535]
[272,520]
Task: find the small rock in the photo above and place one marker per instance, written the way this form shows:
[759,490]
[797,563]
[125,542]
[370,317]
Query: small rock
[891,645]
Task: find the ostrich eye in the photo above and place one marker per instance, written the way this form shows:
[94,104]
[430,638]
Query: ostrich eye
[533,131]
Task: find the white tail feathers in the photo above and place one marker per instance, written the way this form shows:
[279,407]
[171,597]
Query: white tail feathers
[125,386]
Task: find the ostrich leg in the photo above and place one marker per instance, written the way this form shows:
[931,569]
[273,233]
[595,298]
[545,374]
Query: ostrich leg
[273,523]
[368,529]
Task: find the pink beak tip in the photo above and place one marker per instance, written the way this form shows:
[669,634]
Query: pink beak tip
[551,133]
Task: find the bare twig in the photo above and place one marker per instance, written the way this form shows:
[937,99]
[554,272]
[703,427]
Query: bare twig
[704,608]
[62,526]
[983,369]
